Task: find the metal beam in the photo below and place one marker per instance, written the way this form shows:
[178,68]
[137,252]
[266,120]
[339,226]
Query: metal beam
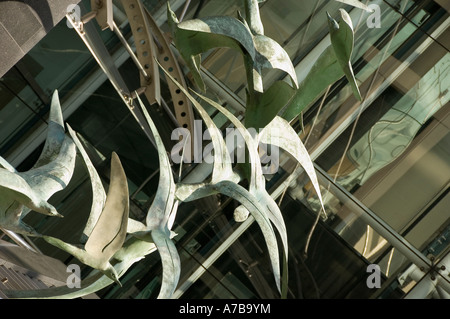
[93,42]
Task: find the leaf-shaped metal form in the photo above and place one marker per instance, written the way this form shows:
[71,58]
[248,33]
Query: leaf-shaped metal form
[266,105]
[108,234]
[325,71]
[342,39]
[98,193]
[170,261]
[196,36]
[164,199]
[193,37]
[256,179]
[332,64]
[278,132]
[271,55]
[222,161]
[55,133]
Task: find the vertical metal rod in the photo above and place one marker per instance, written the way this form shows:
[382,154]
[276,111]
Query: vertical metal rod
[185,8]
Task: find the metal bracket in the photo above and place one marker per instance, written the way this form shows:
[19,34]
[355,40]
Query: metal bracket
[104,13]
[145,48]
[181,104]
[151,45]
[99,51]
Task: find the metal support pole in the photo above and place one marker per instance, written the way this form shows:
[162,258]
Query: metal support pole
[20,241]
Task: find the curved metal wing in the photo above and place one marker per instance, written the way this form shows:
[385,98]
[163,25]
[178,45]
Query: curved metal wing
[98,192]
[53,170]
[55,133]
[110,231]
[54,176]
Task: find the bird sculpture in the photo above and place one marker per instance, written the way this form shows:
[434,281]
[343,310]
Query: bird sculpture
[21,192]
[110,230]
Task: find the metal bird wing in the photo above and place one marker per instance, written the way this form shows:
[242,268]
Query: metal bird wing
[330,66]
[98,192]
[224,181]
[278,132]
[159,212]
[110,231]
[53,170]
[51,173]
[271,55]
[257,182]
[54,176]
[133,250]
[193,37]
[55,133]
[158,218]
[222,161]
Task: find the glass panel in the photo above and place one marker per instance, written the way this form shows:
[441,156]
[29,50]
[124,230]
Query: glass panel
[20,108]
[332,269]
[394,155]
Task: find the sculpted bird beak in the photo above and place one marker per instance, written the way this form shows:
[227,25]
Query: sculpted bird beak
[54,212]
[47,209]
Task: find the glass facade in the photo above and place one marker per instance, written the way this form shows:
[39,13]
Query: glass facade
[383,163]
